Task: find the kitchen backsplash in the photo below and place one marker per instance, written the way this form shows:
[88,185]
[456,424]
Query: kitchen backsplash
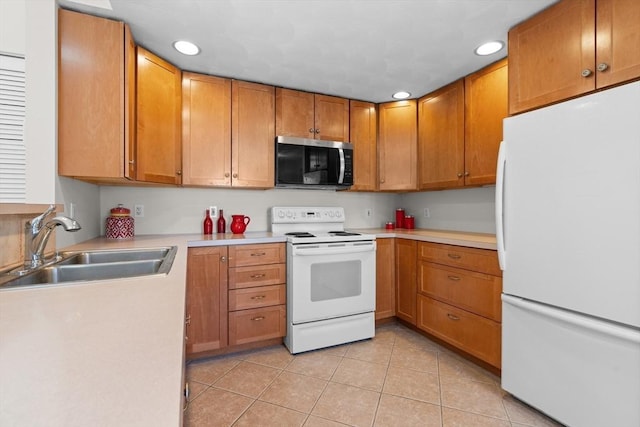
[181,210]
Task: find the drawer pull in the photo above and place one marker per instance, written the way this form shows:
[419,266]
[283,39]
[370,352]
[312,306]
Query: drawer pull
[452,317]
[454,256]
[257,276]
[258,254]
[258,318]
[258,297]
[454,278]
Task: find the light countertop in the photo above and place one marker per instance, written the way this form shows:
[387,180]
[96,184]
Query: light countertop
[111,352]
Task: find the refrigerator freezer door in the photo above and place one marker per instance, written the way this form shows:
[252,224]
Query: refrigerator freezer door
[580,371]
[571,205]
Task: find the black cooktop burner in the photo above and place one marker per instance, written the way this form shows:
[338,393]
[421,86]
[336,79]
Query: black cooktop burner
[343,233]
[299,234]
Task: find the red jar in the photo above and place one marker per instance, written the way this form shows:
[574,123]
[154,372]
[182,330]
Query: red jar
[120,224]
[399,218]
[409,222]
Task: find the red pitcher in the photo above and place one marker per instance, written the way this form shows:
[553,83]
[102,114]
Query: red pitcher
[239,223]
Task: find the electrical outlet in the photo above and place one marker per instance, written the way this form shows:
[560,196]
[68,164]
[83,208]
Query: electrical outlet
[138,211]
[213,211]
[427,214]
[368,212]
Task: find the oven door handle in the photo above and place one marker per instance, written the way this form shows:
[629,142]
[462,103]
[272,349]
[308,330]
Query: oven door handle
[315,250]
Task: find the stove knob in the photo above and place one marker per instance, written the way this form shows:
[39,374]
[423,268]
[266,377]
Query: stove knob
[289,214]
[330,214]
[281,214]
[338,214]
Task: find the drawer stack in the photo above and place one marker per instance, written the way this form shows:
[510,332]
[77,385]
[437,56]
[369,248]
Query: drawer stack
[459,298]
[257,292]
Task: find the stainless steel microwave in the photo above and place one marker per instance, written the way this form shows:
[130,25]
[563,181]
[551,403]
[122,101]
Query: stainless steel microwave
[313,163]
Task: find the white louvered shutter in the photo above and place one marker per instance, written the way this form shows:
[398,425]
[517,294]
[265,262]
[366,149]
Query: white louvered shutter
[13,162]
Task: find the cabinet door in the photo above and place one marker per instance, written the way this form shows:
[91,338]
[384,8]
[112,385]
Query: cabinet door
[331,118]
[617,41]
[206,309]
[206,130]
[294,113]
[441,137]
[486,104]
[363,136]
[253,135]
[158,119]
[406,288]
[385,279]
[93,93]
[549,53]
[398,145]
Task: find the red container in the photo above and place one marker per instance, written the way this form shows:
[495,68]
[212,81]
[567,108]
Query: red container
[119,224]
[409,222]
[389,226]
[399,218]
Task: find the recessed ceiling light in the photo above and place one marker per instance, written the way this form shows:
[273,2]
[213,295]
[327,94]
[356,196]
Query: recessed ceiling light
[401,95]
[186,47]
[489,47]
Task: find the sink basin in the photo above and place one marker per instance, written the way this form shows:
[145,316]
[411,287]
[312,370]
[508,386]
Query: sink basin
[97,257]
[97,265]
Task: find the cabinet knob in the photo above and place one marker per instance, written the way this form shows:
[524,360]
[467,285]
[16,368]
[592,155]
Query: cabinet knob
[452,316]
[603,66]
[179,173]
[586,72]
[317,130]
[132,162]
[223,259]
[454,278]
[312,130]
[459,174]
[257,318]
[235,175]
[226,174]
[466,173]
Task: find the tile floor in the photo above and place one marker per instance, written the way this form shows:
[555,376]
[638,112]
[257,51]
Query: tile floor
[398,378]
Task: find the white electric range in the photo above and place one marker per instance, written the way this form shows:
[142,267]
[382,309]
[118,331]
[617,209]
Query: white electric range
[331,278]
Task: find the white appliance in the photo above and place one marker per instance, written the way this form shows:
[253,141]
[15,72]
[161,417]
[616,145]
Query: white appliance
[331,278]
[568,232]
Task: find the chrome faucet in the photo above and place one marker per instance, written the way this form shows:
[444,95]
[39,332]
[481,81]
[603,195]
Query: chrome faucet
[37,234]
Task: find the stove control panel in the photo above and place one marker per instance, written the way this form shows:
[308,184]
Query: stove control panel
[288,215]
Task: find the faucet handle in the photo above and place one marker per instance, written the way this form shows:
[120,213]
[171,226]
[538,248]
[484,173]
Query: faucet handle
[35,224]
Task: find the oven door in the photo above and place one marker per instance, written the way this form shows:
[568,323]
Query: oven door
[328,280]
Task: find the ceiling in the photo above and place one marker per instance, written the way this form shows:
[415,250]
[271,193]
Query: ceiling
[358,49]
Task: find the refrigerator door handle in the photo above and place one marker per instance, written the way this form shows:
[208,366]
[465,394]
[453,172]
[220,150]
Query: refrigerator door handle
[502,160]
[578,320]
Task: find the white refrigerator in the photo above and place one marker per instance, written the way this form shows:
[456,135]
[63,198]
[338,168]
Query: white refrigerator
[568,233]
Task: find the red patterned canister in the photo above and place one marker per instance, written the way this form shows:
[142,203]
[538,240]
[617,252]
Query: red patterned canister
[120,224]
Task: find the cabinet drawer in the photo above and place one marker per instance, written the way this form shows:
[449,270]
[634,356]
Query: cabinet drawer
[471,333]
[269,253]
[263,296]
[482,260]
[475,292]
[260,275]
[257,324]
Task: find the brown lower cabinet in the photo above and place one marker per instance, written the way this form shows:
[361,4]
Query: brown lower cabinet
[236,296]
[458,298]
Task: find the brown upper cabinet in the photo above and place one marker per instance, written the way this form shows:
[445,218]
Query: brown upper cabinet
[572,48]
[363,133]
[227,132]
[206,130]
[252,135]
[460,129]
[96,98]
[397,146]
[308,115]
[158,119]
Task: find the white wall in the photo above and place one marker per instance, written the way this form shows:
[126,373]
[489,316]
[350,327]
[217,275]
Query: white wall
[471,209]
[181,210]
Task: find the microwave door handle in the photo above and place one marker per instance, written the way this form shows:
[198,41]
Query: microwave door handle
[341,173]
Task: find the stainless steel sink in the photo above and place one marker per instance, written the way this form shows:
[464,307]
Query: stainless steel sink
[96,265]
